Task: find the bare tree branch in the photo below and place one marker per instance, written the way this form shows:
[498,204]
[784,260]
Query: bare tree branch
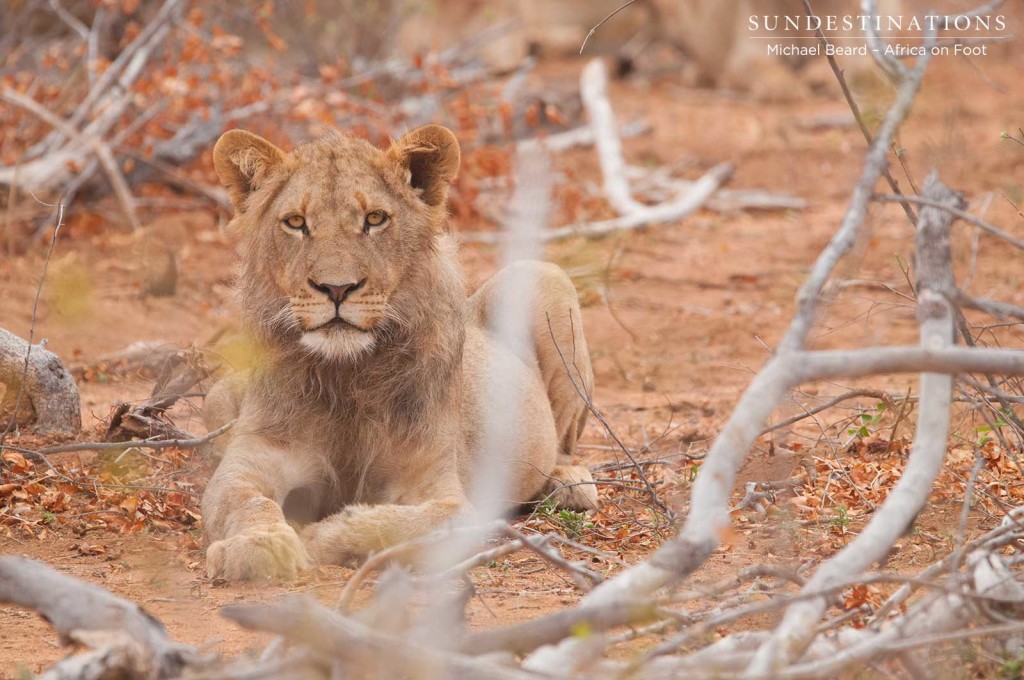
[69,605]
[935,290]
[709,506]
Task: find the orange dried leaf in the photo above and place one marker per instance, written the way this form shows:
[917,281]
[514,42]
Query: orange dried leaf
[15,461]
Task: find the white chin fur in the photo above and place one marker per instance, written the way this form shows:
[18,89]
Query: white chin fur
[338,345]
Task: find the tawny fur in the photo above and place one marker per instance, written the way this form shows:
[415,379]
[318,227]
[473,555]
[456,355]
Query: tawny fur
[366,432]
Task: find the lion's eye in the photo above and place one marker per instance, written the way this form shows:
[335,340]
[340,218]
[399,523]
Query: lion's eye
[373,219]
[297,222]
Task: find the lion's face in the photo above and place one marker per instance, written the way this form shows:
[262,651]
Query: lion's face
[333,230]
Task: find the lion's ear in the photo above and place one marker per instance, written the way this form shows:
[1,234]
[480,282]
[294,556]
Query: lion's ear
[243,161]
[431,156]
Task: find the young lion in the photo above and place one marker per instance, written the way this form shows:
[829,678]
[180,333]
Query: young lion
[366,413]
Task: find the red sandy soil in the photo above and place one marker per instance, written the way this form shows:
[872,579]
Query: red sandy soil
[697,305]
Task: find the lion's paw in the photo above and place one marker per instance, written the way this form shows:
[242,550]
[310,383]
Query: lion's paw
[572,487]
[273,551]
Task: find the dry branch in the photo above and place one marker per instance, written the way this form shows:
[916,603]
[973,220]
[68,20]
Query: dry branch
[936,289]
[303,620]
[180,373]
[52,164]
[852,103]
[582,136]
[829,403]
[594,92]
[190,442]
[709,504]
[632,213]
[111,655]
[958,211]
[143,358]
[71,606]
[101,150]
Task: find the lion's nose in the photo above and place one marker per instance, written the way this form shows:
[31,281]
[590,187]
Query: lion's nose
[337,292]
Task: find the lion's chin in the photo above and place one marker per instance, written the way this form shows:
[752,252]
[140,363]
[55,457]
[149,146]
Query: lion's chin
[338,344]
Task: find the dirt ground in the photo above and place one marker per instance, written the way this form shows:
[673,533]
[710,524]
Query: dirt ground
[678,318]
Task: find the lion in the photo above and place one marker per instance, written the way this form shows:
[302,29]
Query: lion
[362,424]
[724,42]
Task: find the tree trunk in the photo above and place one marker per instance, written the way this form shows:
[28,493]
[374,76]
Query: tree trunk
[49,389]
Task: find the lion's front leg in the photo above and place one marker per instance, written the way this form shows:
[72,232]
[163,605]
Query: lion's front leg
[245,524]
[359,530]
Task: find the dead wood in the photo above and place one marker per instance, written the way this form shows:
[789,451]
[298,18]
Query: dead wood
[110,655]
[582,137]
[709,505]
[72,606]
[49,165]
[936,291]
[188,442]
[180,373]
[686,196]
[42,378]
[303,620]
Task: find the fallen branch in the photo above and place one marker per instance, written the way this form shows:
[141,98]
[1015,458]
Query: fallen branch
[583,136]
[1000,310]
[709,501]
[53,162]
[180,373]
[825,405]
[143,358]
[594,92]
[958,212]
[677,209]
[102,151]
[124,70]
[935,290]
[111,654]
[71,606]
[303,620]
[187,443]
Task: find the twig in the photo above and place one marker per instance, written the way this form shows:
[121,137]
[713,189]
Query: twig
[129,61]
[396,552]
[1000,310]
[32,323]
[852,394]
[641,474]
[965,509]
[190,443]
[954,210]
[583,577]
[526,637]
[904,403]
[841,79]
[70,19]
[908,497]
[103,153]
[601,23]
